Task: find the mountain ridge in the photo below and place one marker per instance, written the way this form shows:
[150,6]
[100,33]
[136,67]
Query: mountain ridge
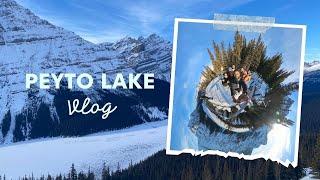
[311,66]
[29,44]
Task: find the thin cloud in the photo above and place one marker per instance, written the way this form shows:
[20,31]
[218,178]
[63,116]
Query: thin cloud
[96,20]
[100,37]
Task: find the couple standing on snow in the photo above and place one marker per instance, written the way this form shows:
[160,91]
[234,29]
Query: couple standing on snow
[237,81]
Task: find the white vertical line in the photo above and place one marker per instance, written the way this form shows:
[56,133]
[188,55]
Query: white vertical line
[303,46]
[173,70]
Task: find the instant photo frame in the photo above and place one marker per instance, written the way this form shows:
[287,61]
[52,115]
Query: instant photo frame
[171,151]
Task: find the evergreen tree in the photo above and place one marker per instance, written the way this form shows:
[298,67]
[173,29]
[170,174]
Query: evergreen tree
[239,43]
[65,178]
[105,172]
[187,174]
[82,176]
[73,173]
[90,175]
[49,177]
[59,177]
[316,156]
[207,174]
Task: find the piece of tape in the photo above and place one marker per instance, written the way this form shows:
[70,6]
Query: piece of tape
[243,23]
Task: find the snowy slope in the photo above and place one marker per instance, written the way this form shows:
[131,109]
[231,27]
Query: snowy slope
[29,44]
[226,142]
[311,75]
[220,95]
[312,66]
[56,155]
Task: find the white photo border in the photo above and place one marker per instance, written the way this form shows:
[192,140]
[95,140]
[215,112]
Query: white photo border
[286,163]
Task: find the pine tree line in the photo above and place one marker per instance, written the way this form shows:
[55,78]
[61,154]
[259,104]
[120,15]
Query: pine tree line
[106,174]
[186,166]
[309,151]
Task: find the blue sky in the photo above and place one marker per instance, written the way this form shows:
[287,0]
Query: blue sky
[103,20]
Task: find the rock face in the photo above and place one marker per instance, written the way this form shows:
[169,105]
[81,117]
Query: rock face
[29,44]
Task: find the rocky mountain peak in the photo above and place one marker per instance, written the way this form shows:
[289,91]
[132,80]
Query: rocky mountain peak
[29,44]
[20,25]
[311,66]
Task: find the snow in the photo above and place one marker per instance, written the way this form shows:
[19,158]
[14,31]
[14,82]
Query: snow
[56,155]
[221,96]
[312,68]
[222,124]
[155,113]
[260,88]
[33,45]
[225,142]
[310,174]
[276,148]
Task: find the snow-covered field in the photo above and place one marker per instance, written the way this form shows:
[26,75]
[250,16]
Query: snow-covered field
[310,174]
[56,155]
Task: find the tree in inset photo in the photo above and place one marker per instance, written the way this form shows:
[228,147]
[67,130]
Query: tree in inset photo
[243,88]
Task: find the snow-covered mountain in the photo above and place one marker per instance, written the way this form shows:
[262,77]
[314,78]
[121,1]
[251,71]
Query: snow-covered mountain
[311,97]
[312,66]
[309,64]
[29,44]
[56,155]
[311,75]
